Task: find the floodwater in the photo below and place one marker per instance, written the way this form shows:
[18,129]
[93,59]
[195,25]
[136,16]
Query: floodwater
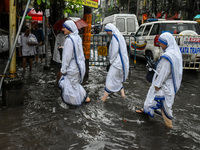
[42,124]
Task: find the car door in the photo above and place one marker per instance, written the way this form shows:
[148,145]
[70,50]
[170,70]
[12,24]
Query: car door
[148,40]
[139,41]
[143,41]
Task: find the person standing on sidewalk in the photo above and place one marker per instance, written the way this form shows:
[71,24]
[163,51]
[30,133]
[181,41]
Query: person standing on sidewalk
[27,43]
[118,58]
[73,67]
[166,80]
[40,37]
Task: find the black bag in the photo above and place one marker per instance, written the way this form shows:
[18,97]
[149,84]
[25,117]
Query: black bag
[151,64]
[150,75]
[108,67]
[60,51]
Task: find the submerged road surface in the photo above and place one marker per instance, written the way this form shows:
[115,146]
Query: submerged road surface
[42,124]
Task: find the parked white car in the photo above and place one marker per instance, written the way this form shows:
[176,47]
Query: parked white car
[148,33]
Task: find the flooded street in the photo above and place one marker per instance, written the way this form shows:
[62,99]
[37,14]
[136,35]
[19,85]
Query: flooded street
[42,124]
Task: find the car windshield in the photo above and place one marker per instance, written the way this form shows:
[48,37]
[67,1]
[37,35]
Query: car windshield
[176,28]
[139,31]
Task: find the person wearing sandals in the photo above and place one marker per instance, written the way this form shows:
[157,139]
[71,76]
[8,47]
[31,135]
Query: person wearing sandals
[166,81]
[73,67]
[119,62]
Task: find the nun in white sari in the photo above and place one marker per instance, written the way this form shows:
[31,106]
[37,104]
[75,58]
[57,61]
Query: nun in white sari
[73,67]
[167,81]
[119,61]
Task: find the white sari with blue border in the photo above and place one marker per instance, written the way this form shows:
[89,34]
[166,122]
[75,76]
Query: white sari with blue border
[73,68]
[168,79]
[119,61]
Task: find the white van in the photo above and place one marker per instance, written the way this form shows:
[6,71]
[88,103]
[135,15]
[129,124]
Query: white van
[126,23]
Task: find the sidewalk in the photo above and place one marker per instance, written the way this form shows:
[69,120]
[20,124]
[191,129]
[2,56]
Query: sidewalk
[13,85]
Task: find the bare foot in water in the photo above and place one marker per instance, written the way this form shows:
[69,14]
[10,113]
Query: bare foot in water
[123,93]
[123,96]
[87,100]
[103,100]
[105,96]
[140,111]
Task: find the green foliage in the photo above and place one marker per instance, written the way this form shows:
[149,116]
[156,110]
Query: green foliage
[110,11]
[73,6]
[123,2]
[98,18]
[68,6]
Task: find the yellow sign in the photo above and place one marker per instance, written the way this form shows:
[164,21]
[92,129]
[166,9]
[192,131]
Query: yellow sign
[90,3]
[102,50]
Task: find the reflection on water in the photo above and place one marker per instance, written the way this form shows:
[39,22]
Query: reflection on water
[42,124]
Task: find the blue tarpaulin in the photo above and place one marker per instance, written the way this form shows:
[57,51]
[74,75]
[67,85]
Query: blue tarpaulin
[197,17]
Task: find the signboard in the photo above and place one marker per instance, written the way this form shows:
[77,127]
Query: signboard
[189,44]
[144,17]
[102,50]
[189,47]
[91,3]
[47,13]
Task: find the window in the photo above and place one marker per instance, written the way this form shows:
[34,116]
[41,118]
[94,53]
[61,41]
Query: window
[147,29]
[120,24]
[176,28]
[140,31]
[155,29]
[130,25]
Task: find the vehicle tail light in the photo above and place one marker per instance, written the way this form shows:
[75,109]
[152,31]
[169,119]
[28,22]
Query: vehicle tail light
[156,43]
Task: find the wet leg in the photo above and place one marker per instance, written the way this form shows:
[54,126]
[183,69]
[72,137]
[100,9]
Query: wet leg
[36,57]
[104,98]
[30,64]
[122,93]
[41,58]
[167,121]
[24,64]
[59,74]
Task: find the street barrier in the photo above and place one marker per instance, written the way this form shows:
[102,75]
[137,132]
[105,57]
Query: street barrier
[99,50]
[190,48]
[99,53]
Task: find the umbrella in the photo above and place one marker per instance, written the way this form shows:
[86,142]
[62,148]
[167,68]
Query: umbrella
[35,15]
[197,17]
[22,12]
[80,23]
